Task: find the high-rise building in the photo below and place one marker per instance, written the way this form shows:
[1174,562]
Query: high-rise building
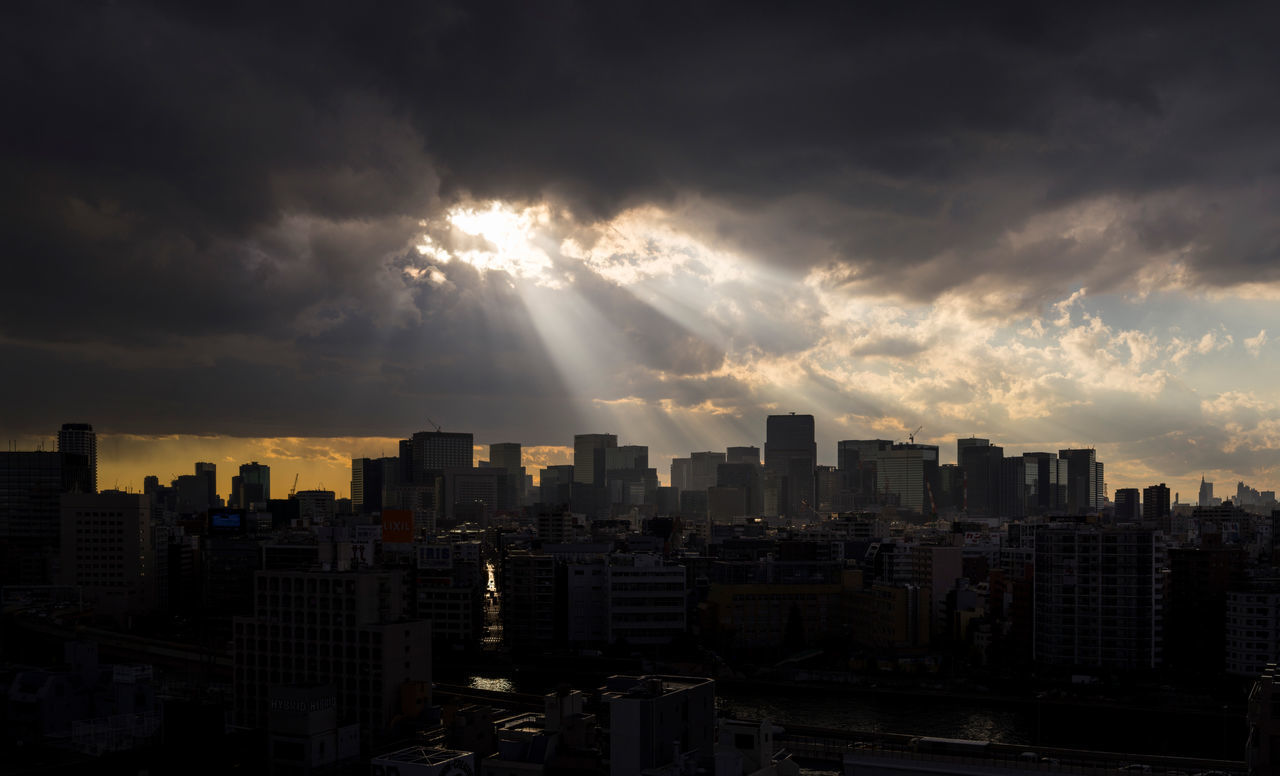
[1098,598]
[209,471]
[745,454]
[1014,488]
[31,486]
[346,629]
[703,468]
[434,451]
[254,484]
[366,485]
[1128,506]
[507,456]
[107,551]
[78,438]
[791,453]
[588,457]
[856,460]
[1086,490]
[1206,493]
[909,473]
[1046,483]
[1155,502]
[681,473]
[982,464]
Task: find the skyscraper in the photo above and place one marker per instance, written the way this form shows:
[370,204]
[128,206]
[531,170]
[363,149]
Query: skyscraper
[209,471]
[790,452]
[588,464]
[255,484]
[435,451]
[982,463]
[366,485]
[1047,483]
[1155,502]
[1205,498]
[78,438]
[1085,487]
[1128,507]
[507,456]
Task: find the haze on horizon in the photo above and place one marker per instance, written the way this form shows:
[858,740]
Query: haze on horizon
[232,225]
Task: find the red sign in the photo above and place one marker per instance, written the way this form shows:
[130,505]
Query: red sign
[397,526]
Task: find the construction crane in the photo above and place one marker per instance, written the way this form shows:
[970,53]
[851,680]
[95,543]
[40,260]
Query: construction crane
[294,489]
[435,424]
[912,435]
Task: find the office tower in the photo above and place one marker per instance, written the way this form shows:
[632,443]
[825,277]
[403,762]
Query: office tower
[1128,507]
[1047,483]
[1014,488]
[856,460]
[746,454]
[366,485]
[951,491]
[747,477]
[192,492]
[555,484]
[348,629]
[588,457]
[909,473]
[79,439]
[1206,493]
[507,456]
[1085,487]
[1155,502]
[982,464]
[434,451]
[107,552]
[1098,602]
[681,473]
[791,453]
[210,473]
[254,484]
[702,469]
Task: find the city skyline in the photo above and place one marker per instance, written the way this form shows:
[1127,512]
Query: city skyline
[1050,227]
[322,466]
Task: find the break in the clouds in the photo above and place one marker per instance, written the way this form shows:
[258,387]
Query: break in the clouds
[1044,225]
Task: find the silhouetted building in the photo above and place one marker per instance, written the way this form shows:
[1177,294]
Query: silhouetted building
[1086,489]
[435,451]
[588,457]
[1205,498]
[508,457]
[1098,603]
[366,485]
[791,453]
[79,439]
[1128,505]
[982,464]
[346,629]
[107,551]
[31,486]
[1046,478]
[209,471]
[909,474]
[743,455]
[1155,503]
[253,485]
[1195,614]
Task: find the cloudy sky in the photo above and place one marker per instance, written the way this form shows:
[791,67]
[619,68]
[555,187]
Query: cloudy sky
[294,234]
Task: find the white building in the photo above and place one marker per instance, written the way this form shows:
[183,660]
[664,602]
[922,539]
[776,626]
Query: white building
[654,719]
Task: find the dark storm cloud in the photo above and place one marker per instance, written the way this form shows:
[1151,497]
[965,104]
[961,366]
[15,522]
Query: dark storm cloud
[182,180]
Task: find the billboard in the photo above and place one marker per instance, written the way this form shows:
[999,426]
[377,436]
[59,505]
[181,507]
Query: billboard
[397,526]
[225,521]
